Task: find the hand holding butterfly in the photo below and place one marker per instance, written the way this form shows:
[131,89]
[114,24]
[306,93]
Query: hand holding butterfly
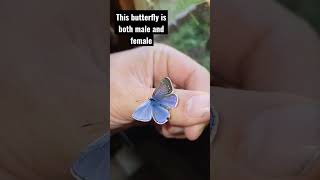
[135,73]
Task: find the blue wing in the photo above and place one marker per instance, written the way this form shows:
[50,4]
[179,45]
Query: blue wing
[170,101]
[143,112]
[164,89]
[160,114]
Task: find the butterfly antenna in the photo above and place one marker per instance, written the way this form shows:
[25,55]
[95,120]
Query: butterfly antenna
[150,89]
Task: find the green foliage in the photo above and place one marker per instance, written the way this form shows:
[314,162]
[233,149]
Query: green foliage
[175,7]
[191,37]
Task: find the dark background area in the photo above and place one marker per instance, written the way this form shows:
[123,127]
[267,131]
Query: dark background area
[308,9]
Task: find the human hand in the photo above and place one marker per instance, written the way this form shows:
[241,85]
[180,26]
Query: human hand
[135,73]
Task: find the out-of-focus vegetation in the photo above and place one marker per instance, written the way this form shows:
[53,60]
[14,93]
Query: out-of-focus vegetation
[308,9]
[192,38]
[191,29]
[175,7]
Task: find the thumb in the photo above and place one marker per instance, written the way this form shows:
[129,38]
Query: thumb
[193,106]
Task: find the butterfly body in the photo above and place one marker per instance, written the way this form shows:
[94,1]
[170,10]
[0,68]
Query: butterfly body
[155,102]
[152,100]
[157,107]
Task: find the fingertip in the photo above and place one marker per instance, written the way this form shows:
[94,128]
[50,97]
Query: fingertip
[193,108]
[198,106]
[194,132]
[165,132]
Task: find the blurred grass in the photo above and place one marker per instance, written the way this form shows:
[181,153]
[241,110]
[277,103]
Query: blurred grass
[191,38]
[175,7]
[192,35]
[307,9]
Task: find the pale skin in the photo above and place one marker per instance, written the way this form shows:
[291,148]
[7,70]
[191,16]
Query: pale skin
[53,86]
[44,134]
[135,73]
[269,127]
[261,100]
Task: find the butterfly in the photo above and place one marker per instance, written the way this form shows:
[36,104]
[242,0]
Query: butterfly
[157,107]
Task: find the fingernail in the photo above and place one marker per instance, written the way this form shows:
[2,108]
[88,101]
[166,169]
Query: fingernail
[198,106]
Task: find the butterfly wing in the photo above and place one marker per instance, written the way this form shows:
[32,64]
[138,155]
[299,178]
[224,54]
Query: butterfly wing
[143,112]
[169,101]
[164,89]
[158,107]
[160,114]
